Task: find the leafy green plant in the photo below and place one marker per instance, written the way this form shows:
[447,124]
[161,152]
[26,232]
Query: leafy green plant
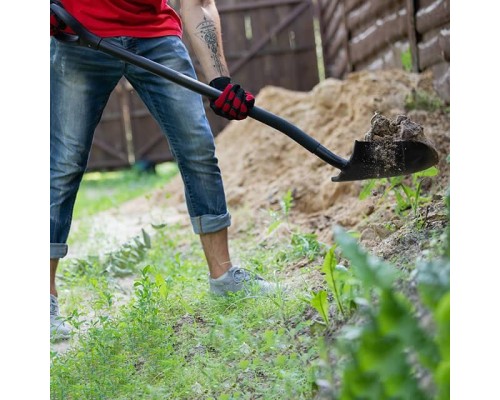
[320,302]
[122,261]
[410,195]
[305,245]
[407,190]
[341,282]
[281,216]
[119,263]
[387,355]
[173,340]
[406,60]
[419,99]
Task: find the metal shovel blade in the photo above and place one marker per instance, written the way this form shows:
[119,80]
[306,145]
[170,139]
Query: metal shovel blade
[383,159]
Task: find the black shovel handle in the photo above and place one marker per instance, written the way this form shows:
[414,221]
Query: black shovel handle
[85,38]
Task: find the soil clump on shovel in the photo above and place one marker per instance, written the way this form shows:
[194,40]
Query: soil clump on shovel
[387,132]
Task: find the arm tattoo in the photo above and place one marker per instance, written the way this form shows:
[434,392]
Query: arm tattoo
[207,32]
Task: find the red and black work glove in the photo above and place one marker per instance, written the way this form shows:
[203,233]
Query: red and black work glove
[234,102]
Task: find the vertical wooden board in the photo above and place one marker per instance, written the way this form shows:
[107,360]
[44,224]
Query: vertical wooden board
[335,37]
[352,4]
[282,39]
[422,4]
[233,28]
[387,57]
[304,55]
[109,147]
[334,23]
[434,48]
[257,68]
[338,68]
[280,58]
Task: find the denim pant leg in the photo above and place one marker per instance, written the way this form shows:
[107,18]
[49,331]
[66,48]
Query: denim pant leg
[81,81]
[181,115]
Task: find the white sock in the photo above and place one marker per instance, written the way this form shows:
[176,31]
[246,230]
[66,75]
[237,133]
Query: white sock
[220,278]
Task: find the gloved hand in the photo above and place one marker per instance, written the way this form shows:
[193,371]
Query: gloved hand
[234,102]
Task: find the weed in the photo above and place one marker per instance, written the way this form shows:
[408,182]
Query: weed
[342,284]
[119,263]
[406,190]
[302,245]
[130,254]
[422,100]
[174,340]
[390,353]
[281,216]
[406,60]
[320,302]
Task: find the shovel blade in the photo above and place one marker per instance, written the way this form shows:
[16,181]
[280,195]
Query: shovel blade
[383,159]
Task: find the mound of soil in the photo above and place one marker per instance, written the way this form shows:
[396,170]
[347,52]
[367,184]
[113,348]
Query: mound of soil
[259,164]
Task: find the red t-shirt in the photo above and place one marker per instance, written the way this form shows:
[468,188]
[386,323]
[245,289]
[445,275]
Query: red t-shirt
[136,18]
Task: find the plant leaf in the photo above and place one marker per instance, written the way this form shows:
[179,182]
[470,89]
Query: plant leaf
[320,303]
[369,269]
[147,239]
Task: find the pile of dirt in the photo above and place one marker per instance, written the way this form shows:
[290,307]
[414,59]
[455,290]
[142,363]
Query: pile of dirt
[259,164]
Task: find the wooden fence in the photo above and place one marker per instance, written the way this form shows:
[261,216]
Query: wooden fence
[359,35]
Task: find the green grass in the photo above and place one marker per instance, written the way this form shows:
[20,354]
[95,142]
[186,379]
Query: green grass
[155,331]
[100,191]
[174,340]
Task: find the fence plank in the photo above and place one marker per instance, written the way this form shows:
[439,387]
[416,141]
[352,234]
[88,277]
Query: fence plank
[378,36]
[433,16]
[435,50]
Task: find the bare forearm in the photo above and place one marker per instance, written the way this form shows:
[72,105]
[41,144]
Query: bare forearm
[202,24]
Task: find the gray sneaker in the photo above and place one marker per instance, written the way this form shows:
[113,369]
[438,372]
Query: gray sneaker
[238,279]
[59,330]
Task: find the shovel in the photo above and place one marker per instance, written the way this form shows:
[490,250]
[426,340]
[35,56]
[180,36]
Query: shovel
[368,160]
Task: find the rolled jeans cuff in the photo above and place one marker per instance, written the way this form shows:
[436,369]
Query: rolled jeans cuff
[210,223]
[58,250]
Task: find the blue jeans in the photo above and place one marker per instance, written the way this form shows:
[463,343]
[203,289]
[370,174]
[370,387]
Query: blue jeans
[81,81]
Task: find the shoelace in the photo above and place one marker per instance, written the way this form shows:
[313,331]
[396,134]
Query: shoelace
[241,274]
[54,308]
